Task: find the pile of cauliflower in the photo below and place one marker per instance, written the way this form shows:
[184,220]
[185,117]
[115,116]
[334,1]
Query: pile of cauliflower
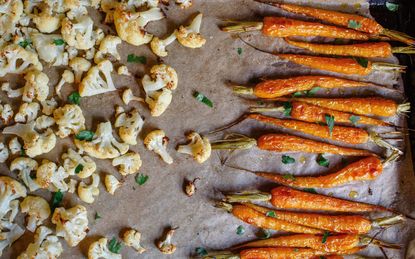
[41,34]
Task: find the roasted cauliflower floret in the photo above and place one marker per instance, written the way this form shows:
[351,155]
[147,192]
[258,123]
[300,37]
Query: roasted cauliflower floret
[27,112]
[158,46]
[79,66]
[70,120]
[79,32]
[157,141]
[128,96]
[50,176]
[26,166]
[15,146]
[44,122]
[111,183]
[165,244]
[67,77]
[123,70]
[10,13]
[87,193]
[74,163]
[103,145]
[13,232]
[190,36]
[184,4]
[47,49]
[37,210]
[132,238]
[99,249]
[4,153]
[6,113]
[94,84]
[71,224]
[45,245]
[17,60]
[166,73]
[36,86]
[130,125]
[11,93]
[130,25]
[129,163]
[48,106]
[108,47]
[199,147]
[44,15]
[10,191]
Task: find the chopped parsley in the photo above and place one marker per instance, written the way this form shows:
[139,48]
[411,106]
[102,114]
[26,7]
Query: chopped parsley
[264,234]
[240,230]
[287,159]
[22,151]
[200,251]
[97,216]
[141,179]
[131,58]
[354,119]
[114,246]
[322,161]
[325,236]
[79,168]
[74,98]
[310,190]
[363,62]
[330,123]
[58,42]
[57,198]
[354,24]
[239,50]
[24,43]
[85,135]
[271,214]
[393,7]
[308,93]
[203,99]
[289,177]
[287,109]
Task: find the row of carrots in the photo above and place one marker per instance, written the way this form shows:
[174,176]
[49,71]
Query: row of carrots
[335,227]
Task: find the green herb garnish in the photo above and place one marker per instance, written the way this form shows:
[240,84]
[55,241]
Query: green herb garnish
[74,98]
[308,93]
[287,109]
[363,62]
[354,119]
[58,42]
[322,161]
[200,251]
[393,7]
[131,58]
[22,151]
[325,236]
[354,24]
[141,179]
[330,123]
[85,135]
[264,234]
[24,43]
[239,51]
[310,190]
[240,230]
[57,198]
[97,216]
[203,99]
[289,177]
[271,214]
[79,168]
[114,246]
[287,159]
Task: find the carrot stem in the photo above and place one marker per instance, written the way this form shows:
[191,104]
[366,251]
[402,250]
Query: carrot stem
[403,108]
[386,222]
[248,196]
[221,255]
[382,66]
[267,109]
[242,142]
[404,50]
[243,27]
[243,90]
[378,140]
[366,240]
[399,36]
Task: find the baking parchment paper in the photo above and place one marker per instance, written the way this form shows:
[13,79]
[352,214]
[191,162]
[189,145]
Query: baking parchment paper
[161,202]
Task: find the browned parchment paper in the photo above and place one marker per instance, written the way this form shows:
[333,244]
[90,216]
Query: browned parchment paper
[161,201]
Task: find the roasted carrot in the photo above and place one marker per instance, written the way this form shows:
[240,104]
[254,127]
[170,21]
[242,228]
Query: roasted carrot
[376,106]
[313,113]
[357,22]
[258,219]
[365,50]
[287,198]
[280,87]
[332,243]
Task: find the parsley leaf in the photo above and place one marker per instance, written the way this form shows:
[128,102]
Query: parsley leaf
[239,51]
[289,177]
[393,7]
[85,135]
[313,91]
[287,109]
[287,159]
[271,214]
[141,179]
[298,94]
[325,236]
[74,98]
[114,246]
[200,251]
[79,168]
[131,58]
[97,216]
[58,42]
[24,43]
[354,24]
[310,190]
[354,119]
[363,62]
[22,151]
[330,123]
[240,230]
[264,234]
[203,99]
[57,198]
[322,161]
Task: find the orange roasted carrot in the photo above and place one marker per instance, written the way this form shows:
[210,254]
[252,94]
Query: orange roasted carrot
[313,113]
[376,106]
[285,253]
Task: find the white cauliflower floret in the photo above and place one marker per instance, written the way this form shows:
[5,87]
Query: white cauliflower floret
[108,47]
[4,153]
[165,245]
[72,185]
[37,210]
[27,112]
[103,144]
[72,52]
[87,193]
[89,54]
[10,191]
[36,86]
[123,70]
[166,73]
[99,249]
[25,166]
[34,143]
[17,60]
[50,176]
[15,146]
[45,245]
[108,7]
[48,106]
[43,15]
[74,163]
[79,32]
[44,122]
[130,125]
[157,141]
[7,238]
[50,49]
[128,96]
[70,120]
[111,183]
[130,25]
[190,36]
[11,93]
[132,238]
[6,113]
[199,147]
[79,66]
[118,110]
[10,13]
[184,4]
[129,163]
[158,46]
[67,77]
[94,84]
[71,224]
